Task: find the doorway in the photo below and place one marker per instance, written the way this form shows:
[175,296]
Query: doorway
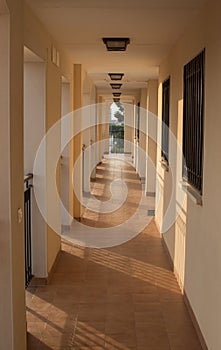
[116,128]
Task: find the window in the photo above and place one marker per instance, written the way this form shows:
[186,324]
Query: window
[193,110]
[165,120]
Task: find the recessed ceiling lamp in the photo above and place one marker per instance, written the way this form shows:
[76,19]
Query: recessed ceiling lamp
[116,94]
[115,86]
[116,100]
[116,76]
[116,44]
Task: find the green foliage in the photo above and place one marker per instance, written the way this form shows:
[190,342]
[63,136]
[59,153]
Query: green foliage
[117,131]
[119,116]
[120,106]
[116,134]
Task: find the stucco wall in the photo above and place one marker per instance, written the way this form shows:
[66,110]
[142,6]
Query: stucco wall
[194,241]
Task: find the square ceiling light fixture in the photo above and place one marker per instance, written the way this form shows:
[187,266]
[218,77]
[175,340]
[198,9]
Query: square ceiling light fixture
[116,76]
[116,100]
[115,86]
[116,94]
[116,44]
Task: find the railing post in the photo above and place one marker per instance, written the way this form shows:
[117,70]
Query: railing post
[27,229]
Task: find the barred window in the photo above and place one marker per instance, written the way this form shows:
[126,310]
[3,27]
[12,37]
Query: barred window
[193,111]
[165,120]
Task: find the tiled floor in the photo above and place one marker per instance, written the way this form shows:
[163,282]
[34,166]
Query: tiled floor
[122,298]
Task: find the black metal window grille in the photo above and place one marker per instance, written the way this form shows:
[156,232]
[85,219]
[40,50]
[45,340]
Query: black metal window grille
[27,228]
[193,112]
[165,120]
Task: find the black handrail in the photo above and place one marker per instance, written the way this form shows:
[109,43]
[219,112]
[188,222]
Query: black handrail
[27,227]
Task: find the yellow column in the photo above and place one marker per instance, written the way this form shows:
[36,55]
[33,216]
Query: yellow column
[99,127]
[151,146]
[106,127]
[76,144]
[129,128]
[53,114]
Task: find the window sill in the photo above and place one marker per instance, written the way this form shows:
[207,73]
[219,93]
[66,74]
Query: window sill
[192,193]
[164,164]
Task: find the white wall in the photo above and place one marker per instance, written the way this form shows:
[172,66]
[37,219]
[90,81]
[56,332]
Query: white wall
[86,136]
[128,128]
[142,136]
[65,161]
[194,241]
[34,131]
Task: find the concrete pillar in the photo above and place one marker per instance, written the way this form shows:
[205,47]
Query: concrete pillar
[53,145]
[12,276]
[151,146]
[93,139]
[136,142]
[142,136]
[86,137]
[76,144]
[105,127]
[99,128]
[128,130]
[65,161]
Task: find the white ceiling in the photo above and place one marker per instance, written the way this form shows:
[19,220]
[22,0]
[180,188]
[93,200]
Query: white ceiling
[152,25]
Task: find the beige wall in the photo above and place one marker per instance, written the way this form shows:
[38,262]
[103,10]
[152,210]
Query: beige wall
[65,162]
[194,241]
[76,144]
[53,114]
[39,41]
[142,135]
[6,335]
[151,130]
[12,296]
[128,128]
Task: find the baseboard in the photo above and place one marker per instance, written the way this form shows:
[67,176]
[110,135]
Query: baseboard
[43,281]
[93,179]
[185,298]
[142,180]
[151,194]
[77,219]
[38,281]
[158,226]
[167,252]
[195,322]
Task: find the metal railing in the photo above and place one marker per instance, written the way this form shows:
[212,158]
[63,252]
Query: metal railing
[27,228]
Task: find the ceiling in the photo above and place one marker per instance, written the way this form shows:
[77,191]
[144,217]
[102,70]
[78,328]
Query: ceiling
[153,27]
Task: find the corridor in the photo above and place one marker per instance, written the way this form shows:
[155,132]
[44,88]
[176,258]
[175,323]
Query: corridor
[120,298]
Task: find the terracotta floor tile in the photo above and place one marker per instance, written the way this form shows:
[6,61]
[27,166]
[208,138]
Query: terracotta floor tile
[116,327]
[124,340]
[92,312]
[89,339]
[121,298]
